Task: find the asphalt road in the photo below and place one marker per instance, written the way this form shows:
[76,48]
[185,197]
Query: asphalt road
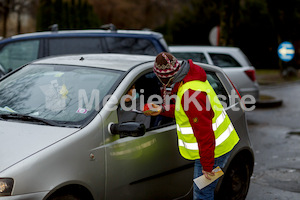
[275,136]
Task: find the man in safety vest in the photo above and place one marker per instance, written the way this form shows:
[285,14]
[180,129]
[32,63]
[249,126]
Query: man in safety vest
[205,132]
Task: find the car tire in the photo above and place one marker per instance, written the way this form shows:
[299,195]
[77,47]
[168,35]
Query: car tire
[236,181]
[66,197]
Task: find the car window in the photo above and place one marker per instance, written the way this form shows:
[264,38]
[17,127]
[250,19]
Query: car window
[164,44]
[196,57]
[148,89]
[59,46]
[16,54]
[148,86]
[152,92]
[218,88]
[131,107]
[63,94]
[130,45]
[223,60]
[245,57]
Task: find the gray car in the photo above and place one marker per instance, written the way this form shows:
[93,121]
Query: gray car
[61,137]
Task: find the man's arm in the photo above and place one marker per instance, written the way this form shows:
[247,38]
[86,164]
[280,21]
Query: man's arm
[200,117]
[168,110]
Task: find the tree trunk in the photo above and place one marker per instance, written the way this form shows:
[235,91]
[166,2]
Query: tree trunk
[19,22]
[5,17]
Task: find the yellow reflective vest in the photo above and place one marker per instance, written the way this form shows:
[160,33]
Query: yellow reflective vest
[225,134]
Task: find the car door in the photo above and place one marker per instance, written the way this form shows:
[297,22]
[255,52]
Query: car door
[146,167]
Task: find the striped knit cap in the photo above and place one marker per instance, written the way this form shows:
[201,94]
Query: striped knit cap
[166,65]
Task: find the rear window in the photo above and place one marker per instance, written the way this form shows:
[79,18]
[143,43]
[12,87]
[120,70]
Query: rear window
[130,45]
[223,60]
[196,57]
[60,46]
[245,57]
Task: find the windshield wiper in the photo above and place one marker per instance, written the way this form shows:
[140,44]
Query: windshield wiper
[16,116]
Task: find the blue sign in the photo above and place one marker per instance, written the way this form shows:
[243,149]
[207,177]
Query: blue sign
[286,51]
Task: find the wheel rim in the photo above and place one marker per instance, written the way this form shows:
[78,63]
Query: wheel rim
[239,180]
[236,182]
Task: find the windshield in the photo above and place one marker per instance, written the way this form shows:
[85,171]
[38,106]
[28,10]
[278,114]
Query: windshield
[67,95]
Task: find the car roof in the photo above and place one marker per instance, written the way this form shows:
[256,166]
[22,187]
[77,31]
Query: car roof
[122,62]
[202,48]
[96,32]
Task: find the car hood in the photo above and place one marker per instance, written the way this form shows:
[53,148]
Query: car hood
[20,140]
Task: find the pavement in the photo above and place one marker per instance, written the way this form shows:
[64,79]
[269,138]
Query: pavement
[272,78]
[275,136]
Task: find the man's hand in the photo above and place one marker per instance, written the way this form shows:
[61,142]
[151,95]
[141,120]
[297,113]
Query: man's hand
[207,174]
[152,109]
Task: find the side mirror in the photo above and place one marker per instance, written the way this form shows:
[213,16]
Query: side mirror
[125,129]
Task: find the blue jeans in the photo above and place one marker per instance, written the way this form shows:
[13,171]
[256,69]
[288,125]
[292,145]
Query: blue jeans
[207,193]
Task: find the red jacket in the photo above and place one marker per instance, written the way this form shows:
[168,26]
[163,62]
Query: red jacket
[201,121]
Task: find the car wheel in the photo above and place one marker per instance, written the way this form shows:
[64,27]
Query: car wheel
[66,197]
[236,181]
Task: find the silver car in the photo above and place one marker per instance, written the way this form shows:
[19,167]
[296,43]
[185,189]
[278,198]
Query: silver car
[61,137]
[231,59]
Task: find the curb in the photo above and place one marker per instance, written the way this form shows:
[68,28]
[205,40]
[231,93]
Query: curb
[266,101]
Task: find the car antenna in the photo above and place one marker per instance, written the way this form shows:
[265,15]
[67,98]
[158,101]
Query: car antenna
[110,26]
[53,27]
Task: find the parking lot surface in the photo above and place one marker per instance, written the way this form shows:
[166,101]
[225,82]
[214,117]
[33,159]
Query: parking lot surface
[275,136]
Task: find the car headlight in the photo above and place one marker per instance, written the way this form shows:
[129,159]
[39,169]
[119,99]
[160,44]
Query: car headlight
[6,185]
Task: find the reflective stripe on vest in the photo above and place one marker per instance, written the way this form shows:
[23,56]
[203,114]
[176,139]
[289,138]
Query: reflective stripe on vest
[219,140]
[225,134]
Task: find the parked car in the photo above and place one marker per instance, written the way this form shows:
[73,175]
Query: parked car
[231,59]
[21,49]
[61,136]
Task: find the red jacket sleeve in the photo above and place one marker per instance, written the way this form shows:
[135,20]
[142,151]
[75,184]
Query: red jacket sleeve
[200,116]
[168,110]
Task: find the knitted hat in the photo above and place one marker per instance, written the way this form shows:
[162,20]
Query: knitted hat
[166,65]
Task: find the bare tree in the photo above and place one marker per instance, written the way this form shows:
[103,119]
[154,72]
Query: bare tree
[15,6]
[4,9]
[21,7]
